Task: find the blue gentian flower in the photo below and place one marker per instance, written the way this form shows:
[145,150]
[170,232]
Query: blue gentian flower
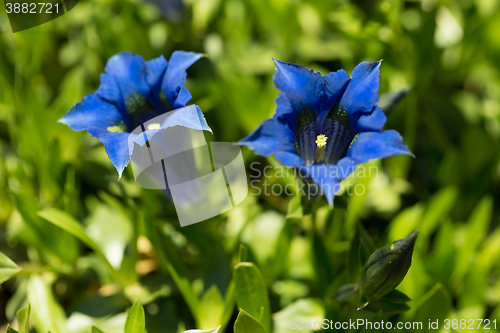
[326,125]
[133,91]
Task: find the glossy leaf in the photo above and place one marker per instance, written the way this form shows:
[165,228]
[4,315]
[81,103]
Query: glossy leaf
[136,322]
[251,293]
[245,323]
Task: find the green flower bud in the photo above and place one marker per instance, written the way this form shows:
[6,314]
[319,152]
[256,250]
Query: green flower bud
[387,267]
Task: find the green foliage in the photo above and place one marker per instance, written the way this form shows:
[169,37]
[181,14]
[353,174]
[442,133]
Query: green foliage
[135,319]
[245,323]
[8,268]
[251,293]
[80,247]
[23,318]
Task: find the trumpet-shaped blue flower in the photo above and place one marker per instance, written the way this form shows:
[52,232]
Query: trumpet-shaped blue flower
[133,91]
[326,125]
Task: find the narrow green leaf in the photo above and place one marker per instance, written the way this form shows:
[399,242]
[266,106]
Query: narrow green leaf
[435,305]
[397,297]
[8,268]
[10,329]
[169,255]
[136,322]
[251,293]
[23,317]
[66,222]
[96,330]
[245,323]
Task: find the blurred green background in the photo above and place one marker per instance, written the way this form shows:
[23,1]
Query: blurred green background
[125,244]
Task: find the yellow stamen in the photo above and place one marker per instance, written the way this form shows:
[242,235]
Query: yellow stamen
[321,140]
[320,148]
[114,129]
[154,126]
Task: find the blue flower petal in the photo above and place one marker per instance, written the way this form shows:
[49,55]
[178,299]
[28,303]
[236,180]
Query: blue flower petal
[303,87]
[335,84]
[92,114]
[284,111]
[155,71]
[361,95]
[375,145]
[372,122]
[273,137]
[117,148]
[110,91]
[129,72]
[290,159]
[175,77]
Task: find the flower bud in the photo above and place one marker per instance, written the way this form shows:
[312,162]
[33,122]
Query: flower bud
[387,267]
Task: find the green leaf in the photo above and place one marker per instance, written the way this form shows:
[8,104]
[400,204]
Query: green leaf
[111,231]
[10,329]
[211,308]
[49,314]
[438,208]
[476,229]
[346,292]
[23,317]
[295,208]
[245,323]
[304,310]
[397,297]
[169,255]
[8,268]
[67,222]
[135,319]
[389,100]
[435,305]
[251,293]
[96,330]
[211,330]
[387,307]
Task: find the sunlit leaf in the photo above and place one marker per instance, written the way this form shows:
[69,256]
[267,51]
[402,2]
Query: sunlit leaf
[251,293]
[8,268]
[136,322]
[23,318]
[245,323]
